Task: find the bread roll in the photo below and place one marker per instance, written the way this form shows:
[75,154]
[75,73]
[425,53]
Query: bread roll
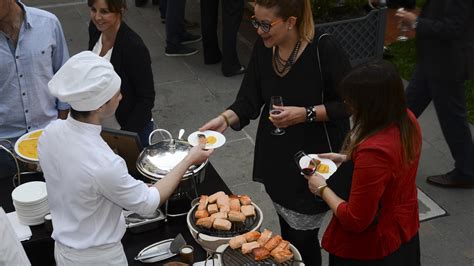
[235,216]
[248,247]
[221,215]
[237,241]
[248,210]
[245,200]
[201,214]
[252,236]
[222,224]
[203,202]
[234,204]
[233,196]
[264,237]
[260,253]
[213,197]
[273,242]
[222,201]
[281,255]
[224,208]
[212,208]
[205,222]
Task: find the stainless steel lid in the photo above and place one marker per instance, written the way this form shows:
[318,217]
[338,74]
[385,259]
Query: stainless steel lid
[157,160]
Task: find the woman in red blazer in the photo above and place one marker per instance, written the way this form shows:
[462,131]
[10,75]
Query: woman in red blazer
[379,223]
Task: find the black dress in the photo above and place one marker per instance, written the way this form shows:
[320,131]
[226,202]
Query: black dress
[274,165]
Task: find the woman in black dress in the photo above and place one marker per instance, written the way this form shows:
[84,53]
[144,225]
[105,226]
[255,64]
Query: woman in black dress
[285,63]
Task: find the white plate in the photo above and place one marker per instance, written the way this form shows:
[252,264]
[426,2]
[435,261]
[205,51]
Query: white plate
[304,162]
[158,247]
[24,137]
[194,140]
[32,192]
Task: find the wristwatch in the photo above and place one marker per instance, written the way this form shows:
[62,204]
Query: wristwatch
[310,114]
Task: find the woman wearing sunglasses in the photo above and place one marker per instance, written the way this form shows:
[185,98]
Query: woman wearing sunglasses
[284,62]
[379,224]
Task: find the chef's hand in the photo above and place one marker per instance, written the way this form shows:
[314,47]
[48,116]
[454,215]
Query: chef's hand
[217,124]
[198,154]
[337,158]
[289,116]
[406,17]
[314,181]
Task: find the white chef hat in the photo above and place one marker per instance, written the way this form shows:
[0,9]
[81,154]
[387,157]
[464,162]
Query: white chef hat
[86,81]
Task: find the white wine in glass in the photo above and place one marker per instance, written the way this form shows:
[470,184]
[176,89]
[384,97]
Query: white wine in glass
[276,101]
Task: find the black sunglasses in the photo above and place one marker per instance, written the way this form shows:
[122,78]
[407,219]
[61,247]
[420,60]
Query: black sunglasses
[264,26]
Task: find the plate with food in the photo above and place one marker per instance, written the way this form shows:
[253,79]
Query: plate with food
[212,139]
[260,248]
[26,147]
[324,167]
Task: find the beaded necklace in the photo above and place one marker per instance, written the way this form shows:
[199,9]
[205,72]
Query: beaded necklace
[281,65]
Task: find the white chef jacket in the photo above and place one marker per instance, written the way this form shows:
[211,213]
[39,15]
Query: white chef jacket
[88,185]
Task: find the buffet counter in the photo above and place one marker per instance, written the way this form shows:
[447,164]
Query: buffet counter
[40,248]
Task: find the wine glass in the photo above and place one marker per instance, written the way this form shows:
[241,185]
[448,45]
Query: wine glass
[276,101]
[404,29]
[311,166]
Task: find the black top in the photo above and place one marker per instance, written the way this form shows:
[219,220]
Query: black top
[274,165]
[445,39]
[131,60]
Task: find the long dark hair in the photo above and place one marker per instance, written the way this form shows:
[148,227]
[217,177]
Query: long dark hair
[301,9]
[115,6]
[374,94]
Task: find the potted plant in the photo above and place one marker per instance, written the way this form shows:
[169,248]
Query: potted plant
[356,24]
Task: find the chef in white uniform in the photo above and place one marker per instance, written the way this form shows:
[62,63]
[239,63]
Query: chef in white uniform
[88,184]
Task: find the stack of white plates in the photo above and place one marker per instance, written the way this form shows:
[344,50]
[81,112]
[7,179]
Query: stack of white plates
[31,202]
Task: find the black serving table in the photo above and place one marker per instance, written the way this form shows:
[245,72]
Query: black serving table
[40,248]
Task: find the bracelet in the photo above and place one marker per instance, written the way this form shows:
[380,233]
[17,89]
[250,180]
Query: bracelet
[226,119]
[310,114]
[321,189]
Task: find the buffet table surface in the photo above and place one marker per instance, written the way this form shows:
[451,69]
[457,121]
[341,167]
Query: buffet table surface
[40,248]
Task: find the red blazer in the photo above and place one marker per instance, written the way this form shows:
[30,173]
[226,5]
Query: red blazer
[382,211]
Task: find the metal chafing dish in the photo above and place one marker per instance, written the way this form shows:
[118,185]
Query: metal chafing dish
[158,159]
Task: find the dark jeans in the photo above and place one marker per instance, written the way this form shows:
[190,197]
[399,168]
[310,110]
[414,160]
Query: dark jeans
[306,241]
[407,255]
[232,11]
[145,133]
[175,23]
[449,99]
[163,6]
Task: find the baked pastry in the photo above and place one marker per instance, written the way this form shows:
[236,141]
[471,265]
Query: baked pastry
[213,197]
[260,253]
[235,216]
[201,214]
[203,202]
[248,247]
[252,236]
[205,222]
[273,242]
[248,210]
[245,200]
[264,237]
[283,245]
[237,241]
[212,208]
[222,201]
[222,215]
[221,224]
[234,204]
[202,139]
[224,208]
[281,255]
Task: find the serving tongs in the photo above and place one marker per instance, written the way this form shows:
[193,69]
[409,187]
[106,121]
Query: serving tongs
[177,243]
